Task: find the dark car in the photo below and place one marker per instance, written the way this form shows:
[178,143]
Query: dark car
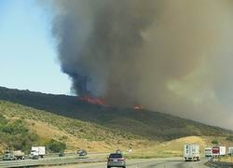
[82,152]
[61,154]
[116,160]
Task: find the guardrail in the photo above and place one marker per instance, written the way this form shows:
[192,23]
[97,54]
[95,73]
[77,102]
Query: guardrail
[48,161]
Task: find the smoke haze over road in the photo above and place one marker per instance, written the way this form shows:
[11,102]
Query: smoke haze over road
[171,56]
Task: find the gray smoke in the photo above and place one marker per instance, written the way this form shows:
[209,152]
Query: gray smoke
[172,56]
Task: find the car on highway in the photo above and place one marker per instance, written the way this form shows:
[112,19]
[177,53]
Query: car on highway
[116,160]
[61,154]
[82,152]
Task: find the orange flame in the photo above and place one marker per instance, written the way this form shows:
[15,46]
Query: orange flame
[138,107]
[93,100]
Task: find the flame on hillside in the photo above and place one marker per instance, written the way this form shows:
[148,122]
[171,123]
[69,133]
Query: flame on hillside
[138,107]
[93,100]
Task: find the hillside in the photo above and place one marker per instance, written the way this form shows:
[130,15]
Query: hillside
[36,127]
[151,125]
[72,121]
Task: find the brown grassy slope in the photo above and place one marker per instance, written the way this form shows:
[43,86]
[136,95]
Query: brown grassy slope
[175,147]
[78,134]
[143,123]
[81,125]
[75,133]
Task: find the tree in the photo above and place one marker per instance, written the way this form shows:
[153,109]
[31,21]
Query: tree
[55,146]
[215,142]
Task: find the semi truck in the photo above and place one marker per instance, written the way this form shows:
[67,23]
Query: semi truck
[37,152]
[230,151]
[208,152]
[13,155]
[218,151]
[191,152]
[19,155]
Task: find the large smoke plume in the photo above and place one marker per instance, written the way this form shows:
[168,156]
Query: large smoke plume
[172,56]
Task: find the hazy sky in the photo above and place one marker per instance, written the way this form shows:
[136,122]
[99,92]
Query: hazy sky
[27,52]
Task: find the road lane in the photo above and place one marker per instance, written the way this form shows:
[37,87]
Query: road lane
[143,163]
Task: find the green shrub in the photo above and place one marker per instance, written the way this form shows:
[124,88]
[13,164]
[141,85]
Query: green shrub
[16,134]
[55,146]
[230,138]
[16,127]
[215,142]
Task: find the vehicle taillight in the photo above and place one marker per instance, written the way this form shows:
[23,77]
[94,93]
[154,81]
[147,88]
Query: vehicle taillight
[121,159]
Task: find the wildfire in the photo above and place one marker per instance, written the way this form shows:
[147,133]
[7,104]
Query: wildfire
[138,107]
[93,100]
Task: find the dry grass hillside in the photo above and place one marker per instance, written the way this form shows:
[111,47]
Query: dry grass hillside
[31,118]
[175,147]
[78,134]
[74,133]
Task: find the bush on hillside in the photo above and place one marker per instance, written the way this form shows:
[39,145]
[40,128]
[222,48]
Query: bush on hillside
[16,135]
[55,146]
[230,138]
[215,142]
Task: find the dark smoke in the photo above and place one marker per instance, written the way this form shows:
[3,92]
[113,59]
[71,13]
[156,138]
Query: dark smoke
[172,56]
[101,40]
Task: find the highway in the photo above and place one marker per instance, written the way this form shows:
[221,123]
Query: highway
[99,161]
[143,163]
[54,160]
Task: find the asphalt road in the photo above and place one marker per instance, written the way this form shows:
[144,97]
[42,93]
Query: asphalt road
[143,163]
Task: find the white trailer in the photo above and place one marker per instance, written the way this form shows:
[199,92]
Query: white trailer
[218,151]
[37,152]
[208,152]
[230,151]
[191,152]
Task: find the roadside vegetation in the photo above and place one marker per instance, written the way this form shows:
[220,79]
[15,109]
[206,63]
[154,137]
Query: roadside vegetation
[62,122]
[21,127]
[14,134]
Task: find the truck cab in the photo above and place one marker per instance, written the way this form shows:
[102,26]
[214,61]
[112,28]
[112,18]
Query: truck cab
[8,155]
[37,152]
